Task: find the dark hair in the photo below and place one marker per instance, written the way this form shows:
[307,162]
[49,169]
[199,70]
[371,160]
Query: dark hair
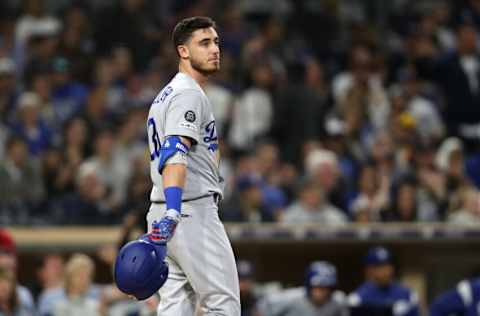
[13,299]
[184,29]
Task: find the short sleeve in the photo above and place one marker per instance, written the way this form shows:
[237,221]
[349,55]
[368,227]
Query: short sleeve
[183,117]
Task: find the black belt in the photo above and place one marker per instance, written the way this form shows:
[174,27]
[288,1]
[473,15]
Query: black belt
[216,198]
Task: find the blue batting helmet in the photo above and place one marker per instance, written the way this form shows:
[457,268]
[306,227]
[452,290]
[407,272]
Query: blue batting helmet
[140,268]
[320,274]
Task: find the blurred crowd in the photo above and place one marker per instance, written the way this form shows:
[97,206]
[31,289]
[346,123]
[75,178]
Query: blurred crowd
[330,111]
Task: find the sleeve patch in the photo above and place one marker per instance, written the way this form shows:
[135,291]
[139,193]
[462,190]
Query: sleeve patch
[190,116]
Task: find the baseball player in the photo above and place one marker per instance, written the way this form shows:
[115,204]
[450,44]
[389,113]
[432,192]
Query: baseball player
[381,292]
[318,297]
[464,300]
[187,185]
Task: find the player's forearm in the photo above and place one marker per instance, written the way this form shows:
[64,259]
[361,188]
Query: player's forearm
[173,178]
[174,175]
[173,168]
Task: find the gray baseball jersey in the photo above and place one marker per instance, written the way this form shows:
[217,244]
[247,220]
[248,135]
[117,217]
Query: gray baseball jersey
[183,109]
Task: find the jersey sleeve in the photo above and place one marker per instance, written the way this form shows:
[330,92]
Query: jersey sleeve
[183,117]
[448,303]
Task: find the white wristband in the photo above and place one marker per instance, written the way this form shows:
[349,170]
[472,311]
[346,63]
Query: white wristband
[173,214]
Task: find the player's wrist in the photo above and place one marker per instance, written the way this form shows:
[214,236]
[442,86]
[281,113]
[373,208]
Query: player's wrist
[173,198]
[173,215]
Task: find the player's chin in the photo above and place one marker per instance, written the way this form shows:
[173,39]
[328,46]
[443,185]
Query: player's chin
[212,68]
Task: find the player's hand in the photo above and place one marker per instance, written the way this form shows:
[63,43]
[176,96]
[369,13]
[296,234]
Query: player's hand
[163,230]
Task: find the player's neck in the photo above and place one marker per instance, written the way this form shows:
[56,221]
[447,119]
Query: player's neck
[200,78]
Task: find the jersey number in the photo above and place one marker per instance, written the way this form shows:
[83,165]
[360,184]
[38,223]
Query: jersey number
[155,145]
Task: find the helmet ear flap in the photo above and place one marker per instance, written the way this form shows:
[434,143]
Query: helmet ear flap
[140,268]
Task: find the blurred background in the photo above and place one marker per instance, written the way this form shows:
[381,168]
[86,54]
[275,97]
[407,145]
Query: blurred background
[344,124]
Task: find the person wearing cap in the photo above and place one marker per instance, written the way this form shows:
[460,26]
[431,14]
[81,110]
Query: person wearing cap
[381,291]
[30,126]
[8,263]
[68,96]
[318,296]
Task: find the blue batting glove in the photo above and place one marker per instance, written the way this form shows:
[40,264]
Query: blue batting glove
[163,230]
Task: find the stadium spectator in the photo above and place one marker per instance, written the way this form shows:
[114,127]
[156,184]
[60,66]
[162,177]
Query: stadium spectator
[30,126]
[51,277]
[312,207]
[60,177]
[268,165]
[247,204]
[17,172]
[361,87]
[86,203]
[404,203]
[80,296]
[9,303]
[458,75]
[129,23]
[36,38]
[8,89]
[112,170]
[68,95]
[76,42]
[8,264]
[300,107]
[253,112]
[222,100]
[372,196]
[322,167]
[450,159]
[468,211]
[432,187]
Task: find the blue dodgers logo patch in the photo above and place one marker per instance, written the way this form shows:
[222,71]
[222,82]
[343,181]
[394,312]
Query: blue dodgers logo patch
[190,116]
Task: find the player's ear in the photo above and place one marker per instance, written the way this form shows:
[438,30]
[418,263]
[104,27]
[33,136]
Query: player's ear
[183,51]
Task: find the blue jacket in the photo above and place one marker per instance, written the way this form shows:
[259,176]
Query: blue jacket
[403,301]
[464,300]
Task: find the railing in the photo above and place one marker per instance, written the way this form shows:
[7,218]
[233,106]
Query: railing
[88,238]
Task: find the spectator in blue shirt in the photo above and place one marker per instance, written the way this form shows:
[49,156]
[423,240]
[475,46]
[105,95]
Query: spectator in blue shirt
[29,125]
[68,96]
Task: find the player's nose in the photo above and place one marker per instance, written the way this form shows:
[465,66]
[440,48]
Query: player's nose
[216,50]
